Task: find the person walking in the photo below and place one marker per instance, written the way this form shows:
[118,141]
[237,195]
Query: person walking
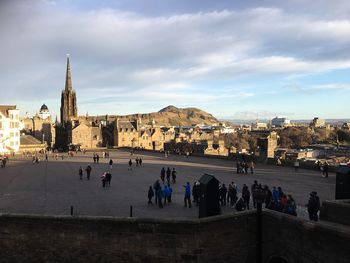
[252,167]
[140,161]
[81,173]
[108,179]
[150,195]
[156,187]
[162,174]
[103,179]
[254,186]
[173,175]
[170,192]
[313,206]
[325,169]
[187,198]
[246,196]
[111,164]
[130,165]
[88,171]
[137,161]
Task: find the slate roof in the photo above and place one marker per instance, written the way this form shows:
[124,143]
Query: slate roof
[5,108]
[29,140]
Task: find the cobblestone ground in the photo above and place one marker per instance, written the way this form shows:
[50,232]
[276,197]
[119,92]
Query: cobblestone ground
[52,187]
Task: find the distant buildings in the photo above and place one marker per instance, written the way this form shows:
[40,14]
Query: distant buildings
[40,126]
[280,122]
[9,129]
[318,123]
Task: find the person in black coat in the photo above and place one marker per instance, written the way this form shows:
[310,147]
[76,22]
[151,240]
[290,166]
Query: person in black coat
[150,195]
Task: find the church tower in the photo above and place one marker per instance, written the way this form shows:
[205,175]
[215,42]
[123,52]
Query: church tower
[69,109]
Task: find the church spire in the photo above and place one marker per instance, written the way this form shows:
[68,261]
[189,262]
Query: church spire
[68,78]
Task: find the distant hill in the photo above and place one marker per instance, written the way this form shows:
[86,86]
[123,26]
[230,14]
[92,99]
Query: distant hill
[169,116]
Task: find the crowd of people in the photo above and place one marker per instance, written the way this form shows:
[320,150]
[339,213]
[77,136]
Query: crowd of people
[162,192]
[243,167]
[239,199]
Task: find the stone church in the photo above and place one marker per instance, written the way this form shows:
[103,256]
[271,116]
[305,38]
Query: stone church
[74,132]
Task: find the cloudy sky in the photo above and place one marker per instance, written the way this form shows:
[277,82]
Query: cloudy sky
[234,59]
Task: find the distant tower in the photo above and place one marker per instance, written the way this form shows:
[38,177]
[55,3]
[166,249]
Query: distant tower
[44,112]
[69,109]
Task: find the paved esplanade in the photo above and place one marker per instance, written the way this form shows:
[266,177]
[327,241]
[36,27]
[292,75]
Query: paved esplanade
[52,187]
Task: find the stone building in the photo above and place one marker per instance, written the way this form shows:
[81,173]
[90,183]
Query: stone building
[9,129]
[126,133]
[86,136]
[31,145]
[40,126]
[69,114]
[318,123]
[157,137]
[267,146]
[69,110]
[145,140]
[217,149]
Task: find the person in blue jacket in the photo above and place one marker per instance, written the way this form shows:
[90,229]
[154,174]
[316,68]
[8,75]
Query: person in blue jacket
[187,198]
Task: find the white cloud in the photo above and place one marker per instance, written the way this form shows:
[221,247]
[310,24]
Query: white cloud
[166,57]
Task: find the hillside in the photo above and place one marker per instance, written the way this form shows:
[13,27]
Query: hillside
[171,116]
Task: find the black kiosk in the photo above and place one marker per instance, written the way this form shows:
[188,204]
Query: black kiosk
[342,188]
[209,196]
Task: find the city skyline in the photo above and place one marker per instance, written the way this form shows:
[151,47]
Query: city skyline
[238,61]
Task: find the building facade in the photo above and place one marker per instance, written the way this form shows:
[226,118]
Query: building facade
[9,129]
[86,136]
[40,126]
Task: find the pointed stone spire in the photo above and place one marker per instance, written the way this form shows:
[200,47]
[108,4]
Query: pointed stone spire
[68,78]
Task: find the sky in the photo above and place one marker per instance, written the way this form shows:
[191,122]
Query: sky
[235,59]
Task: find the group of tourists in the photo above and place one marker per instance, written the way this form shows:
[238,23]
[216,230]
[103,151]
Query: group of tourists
[323,166]
[106,178]
[162,194]
[138,162]
[96,158]
[162,191]
[87,170]
[169,174]
[274,199]
[243,167]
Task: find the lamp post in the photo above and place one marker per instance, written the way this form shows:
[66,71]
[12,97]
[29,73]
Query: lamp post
[259,195]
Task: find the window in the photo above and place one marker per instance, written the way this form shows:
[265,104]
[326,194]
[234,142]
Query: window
[11,134]
[126,129]
[120,130]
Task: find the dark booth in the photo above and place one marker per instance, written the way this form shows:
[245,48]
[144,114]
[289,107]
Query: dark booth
[342,187]
[209,196]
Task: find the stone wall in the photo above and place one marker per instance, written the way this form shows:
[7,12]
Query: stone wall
[337,211]
[25,238]
[300,241]
[226,238]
